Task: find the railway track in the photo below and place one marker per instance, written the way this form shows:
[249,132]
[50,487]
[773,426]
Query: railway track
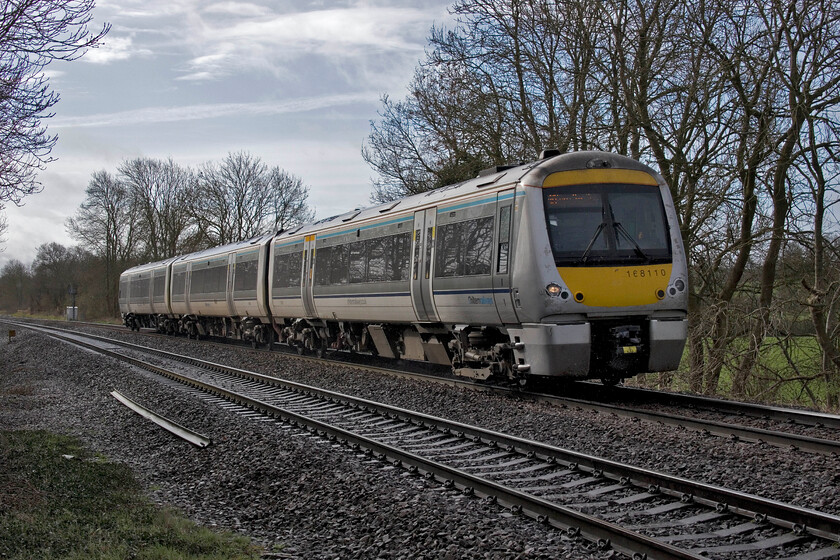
[638,512]
[644,405]
[636,395]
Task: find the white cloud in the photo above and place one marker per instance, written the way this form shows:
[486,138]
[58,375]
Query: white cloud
[146,9]
[51,74]
[241,9]
[151,115]
[114,49]
[340,36]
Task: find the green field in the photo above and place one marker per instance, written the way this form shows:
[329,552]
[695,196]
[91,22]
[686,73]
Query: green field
[58,500]
[789,372]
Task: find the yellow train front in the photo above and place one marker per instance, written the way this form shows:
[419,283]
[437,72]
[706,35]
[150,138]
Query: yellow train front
[600,276]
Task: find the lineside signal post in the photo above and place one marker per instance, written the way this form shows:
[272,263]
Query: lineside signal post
[12,334]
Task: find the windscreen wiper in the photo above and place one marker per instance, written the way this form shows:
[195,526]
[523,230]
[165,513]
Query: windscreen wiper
[585,255]
[620,229]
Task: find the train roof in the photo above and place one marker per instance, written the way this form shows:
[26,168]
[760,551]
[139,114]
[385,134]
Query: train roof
[199,255]
[149,266]
[533,173]
[493,177]
[254,242]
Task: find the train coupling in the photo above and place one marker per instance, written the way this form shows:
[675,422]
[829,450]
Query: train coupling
[626,346]
[627,339]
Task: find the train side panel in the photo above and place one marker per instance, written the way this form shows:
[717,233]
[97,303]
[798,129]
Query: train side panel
[208,285]
[249,288]
[286,278]
[462,262]
[143,294]
[362,273]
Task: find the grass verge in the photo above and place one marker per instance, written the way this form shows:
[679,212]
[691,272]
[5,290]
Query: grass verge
[58,500]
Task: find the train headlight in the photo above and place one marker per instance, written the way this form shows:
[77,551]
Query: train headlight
[554,290]
[677,287]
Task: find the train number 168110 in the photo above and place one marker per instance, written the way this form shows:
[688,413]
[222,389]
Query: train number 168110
[646,273]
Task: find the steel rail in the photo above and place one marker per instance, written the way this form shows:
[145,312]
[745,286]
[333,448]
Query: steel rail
[183,432]
[785,515]
[735,431]
[801,416]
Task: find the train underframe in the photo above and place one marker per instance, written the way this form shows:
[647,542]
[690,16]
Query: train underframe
[610,350]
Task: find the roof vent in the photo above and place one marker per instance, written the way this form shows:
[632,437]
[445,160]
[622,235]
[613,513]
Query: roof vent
[598,163]
[495,169]
[549,153]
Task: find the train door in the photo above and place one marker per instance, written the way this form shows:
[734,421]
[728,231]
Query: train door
[231,282]
[503,263]
[188,289]
[422,256]
[306,275]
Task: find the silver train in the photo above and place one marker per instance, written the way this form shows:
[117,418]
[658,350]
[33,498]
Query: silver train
[568,267]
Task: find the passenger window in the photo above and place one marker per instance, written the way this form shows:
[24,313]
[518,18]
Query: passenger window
[287,270]
[245,274]
[464,248]
[358,258]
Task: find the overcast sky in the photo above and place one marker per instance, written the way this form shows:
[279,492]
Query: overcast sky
[293,82]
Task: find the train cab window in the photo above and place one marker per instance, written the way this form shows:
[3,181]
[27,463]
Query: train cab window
[610,224]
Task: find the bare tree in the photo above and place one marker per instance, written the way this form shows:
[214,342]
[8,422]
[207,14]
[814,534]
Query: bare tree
[4,227]
[288,196]
[805,69]
[54,270]
[228,207]
[735,103]
[242,197]
[161,192]
[32,34]
[513,78]
[106,225]
[15,286]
